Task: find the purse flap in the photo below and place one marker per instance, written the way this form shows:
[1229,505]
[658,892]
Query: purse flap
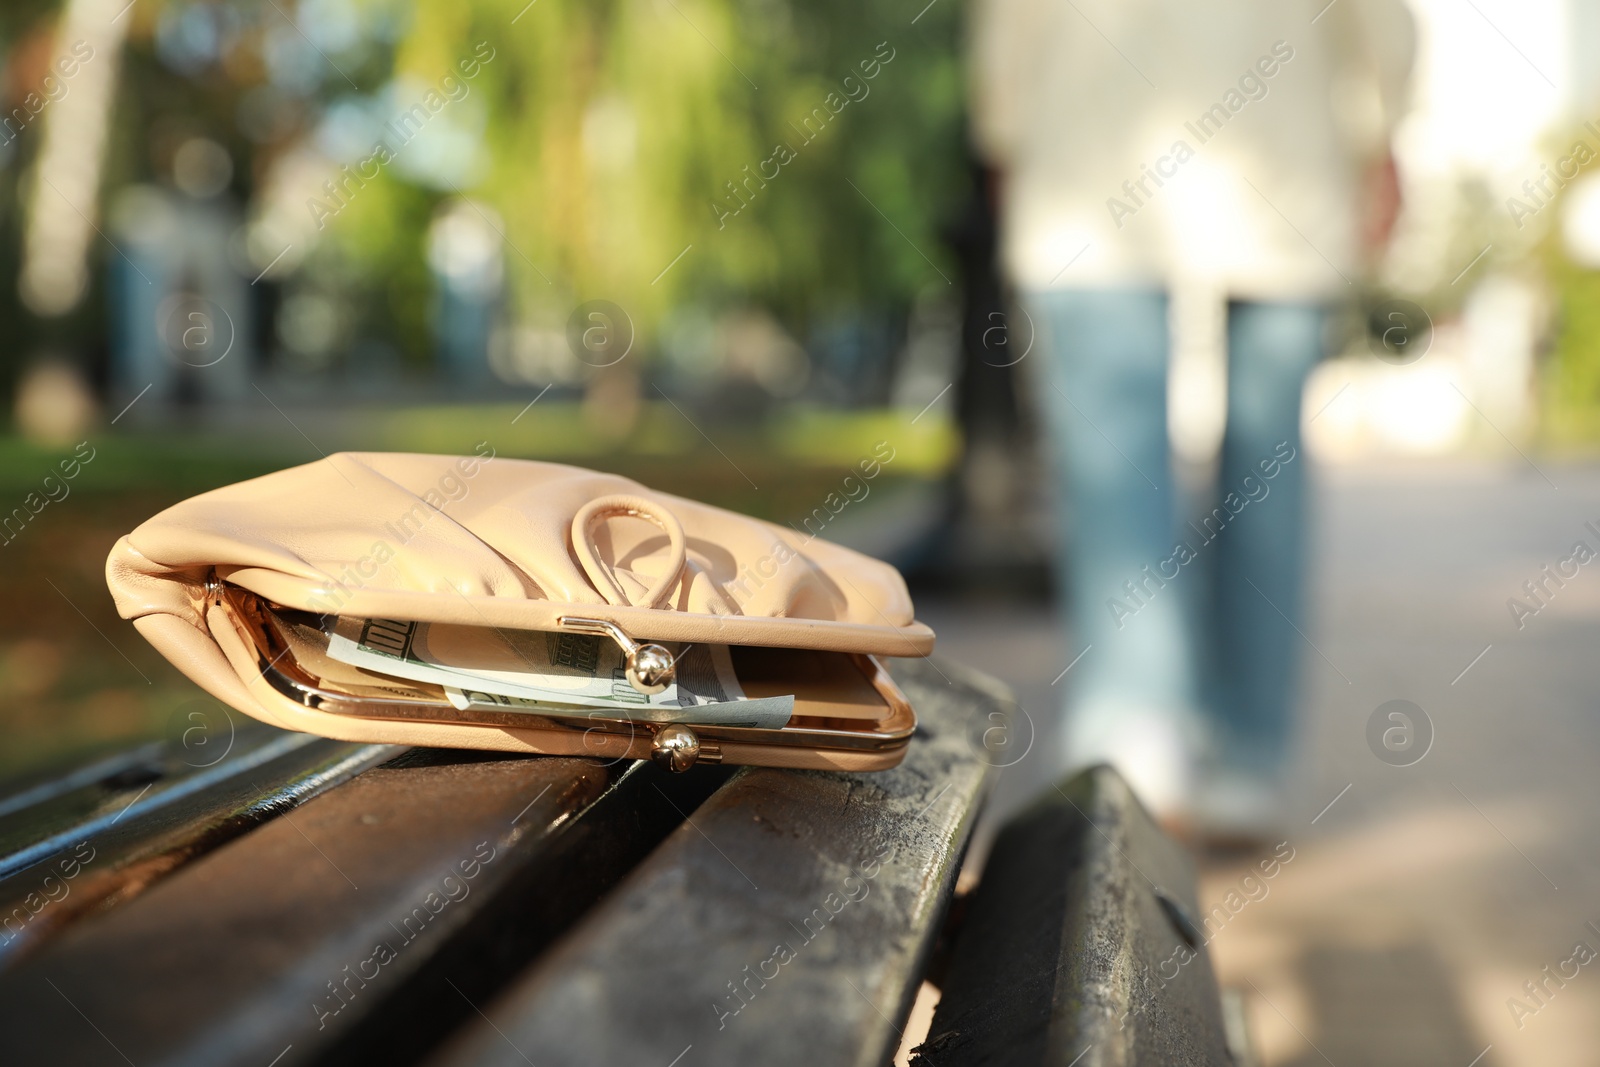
[490,541]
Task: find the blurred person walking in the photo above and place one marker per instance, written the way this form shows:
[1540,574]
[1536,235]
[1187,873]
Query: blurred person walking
[1236,148]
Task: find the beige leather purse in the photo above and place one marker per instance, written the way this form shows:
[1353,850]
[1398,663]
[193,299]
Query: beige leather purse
[239,588]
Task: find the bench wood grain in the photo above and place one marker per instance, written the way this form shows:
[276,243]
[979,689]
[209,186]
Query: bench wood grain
[105,834]
[788,920]
[334,932]
[1079,945]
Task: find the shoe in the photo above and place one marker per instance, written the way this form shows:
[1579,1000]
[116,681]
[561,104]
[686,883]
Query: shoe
[1238,810]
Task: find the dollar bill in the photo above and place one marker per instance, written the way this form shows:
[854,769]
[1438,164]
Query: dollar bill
[549,666]
[768,713]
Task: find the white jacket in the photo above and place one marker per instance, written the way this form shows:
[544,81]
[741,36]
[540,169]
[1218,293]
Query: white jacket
[1152,142]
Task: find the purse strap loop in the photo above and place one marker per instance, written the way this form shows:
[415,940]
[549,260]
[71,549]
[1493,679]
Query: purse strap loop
[601,575]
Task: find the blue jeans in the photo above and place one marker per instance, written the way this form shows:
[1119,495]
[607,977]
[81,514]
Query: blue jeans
[1193,621]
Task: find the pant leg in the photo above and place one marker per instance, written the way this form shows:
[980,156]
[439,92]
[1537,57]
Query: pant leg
[1260,558]
[1102,387]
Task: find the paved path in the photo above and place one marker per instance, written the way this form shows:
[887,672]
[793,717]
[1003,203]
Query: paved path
[1425,896]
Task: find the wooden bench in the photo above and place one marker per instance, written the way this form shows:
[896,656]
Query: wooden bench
[311,902]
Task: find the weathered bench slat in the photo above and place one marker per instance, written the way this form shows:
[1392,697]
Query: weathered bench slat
[148,818]
[1067,954]
[788,922]
[326,934]
[33,790]
[38,821]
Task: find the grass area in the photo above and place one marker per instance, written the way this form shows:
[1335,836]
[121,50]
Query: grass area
[74,677]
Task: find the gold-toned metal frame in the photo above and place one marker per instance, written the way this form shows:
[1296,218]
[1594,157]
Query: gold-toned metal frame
[675,745]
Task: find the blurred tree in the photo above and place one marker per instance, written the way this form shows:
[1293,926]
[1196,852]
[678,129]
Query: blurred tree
[26,38]
[625,131]
[799,158]
[1570,379]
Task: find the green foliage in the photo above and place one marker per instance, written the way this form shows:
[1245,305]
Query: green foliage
[612,135]
[615,128]
[21,16]
[1571,386]
[1570,378]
